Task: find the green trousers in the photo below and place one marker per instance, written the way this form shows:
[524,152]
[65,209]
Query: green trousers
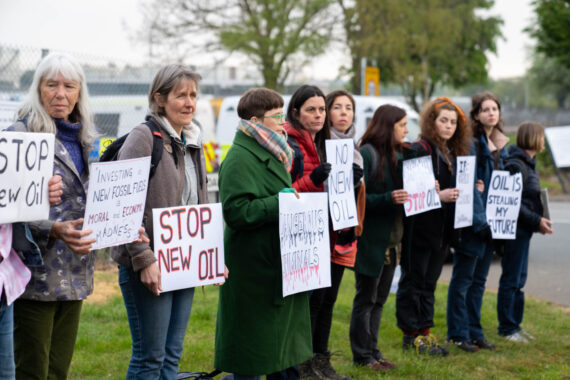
[44,338]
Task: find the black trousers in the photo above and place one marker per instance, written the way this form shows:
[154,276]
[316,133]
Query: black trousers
[321,305]
[371,294]
[416,290]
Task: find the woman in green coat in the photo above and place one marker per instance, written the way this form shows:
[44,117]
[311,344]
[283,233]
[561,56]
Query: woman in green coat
[382,232]
[258,331]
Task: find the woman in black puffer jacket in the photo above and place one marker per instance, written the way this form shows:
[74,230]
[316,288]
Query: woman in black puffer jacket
[510,302]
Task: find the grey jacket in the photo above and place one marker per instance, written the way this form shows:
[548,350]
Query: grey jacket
[63,275]
[164,189]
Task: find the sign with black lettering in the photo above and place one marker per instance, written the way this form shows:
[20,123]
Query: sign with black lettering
[342,204]
[465,182]
[304,239]
[26,165]
[503,204]
[419,182]
[189,245]
[115,201]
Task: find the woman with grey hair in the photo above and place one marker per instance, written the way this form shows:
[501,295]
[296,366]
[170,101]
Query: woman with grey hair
[46,316]
[158,320]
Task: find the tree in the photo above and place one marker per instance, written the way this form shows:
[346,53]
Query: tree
[421,44]
[552,29]
[551,77]
[274,34]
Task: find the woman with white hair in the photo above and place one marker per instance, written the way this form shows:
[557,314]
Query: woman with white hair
[46,316]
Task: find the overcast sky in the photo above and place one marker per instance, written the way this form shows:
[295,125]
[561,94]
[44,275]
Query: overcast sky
[104,27]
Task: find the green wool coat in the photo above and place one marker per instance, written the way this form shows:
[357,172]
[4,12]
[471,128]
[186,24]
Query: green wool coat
[379,217]
[257,331]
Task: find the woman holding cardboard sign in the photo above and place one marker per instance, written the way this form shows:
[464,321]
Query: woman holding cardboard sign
[445,135]
[157,320]
[382,149]
[472,257]
[258,331]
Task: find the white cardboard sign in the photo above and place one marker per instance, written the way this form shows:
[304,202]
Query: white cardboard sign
[559,142]
[189,245]
[503,204]
[465,182]
[26,166]
[115,201]
[304,239]
[342,204]
[419,182]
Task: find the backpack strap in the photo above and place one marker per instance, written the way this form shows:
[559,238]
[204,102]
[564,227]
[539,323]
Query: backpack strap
[298,164]
[425,145]
[375,161]
[157,147]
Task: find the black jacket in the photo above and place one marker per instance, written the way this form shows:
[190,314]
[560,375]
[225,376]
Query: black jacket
[531,205]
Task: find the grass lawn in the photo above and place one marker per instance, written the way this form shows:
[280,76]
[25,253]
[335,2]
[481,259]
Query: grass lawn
[102,350]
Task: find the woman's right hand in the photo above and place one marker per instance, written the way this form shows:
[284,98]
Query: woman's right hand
[480,185]
[150,277]
[399,197]
[72,236]
[449,195]
[545,226]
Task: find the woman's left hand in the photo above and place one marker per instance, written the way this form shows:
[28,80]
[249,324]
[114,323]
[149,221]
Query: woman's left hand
[226,275]
[72,236]
[142,236]
[449,195]
[55,187]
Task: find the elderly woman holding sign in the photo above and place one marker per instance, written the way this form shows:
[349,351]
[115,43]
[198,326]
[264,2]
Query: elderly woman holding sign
[258,332]
[46,316]
[157,320]
[445,135]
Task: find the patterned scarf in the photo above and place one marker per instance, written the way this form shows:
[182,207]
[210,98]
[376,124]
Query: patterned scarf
[273,142]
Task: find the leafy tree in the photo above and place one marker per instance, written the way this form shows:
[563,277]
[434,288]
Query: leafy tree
[276,35]
[421,44]
[552,29]
[551,77]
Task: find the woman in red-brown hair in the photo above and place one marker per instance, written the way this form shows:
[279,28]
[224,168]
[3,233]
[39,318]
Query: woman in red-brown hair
[445,135]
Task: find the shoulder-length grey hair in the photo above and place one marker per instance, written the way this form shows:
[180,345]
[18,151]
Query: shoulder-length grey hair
[37,118]
[165,80]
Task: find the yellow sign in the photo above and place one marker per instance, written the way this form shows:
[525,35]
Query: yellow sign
[371,81]
[104,143]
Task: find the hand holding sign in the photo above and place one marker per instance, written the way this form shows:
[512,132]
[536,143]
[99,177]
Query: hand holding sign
[72,236]
[55,189]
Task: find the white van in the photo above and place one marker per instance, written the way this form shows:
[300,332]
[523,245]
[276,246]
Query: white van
[365,106]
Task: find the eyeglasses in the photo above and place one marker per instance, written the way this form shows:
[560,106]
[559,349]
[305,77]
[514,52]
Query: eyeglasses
[280,117]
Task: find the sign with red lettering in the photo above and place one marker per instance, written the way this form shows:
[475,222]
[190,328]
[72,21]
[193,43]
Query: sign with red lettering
[342,204]
[26,165]
[115,201]
[304,240]
[419,182]
[189,245]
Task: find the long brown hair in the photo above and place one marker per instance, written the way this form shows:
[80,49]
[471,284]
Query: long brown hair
[380,134]
[459,143]
[476,103]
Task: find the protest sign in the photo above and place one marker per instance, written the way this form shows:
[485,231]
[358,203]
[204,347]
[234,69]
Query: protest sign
[115,201]
[189,245]
[342,204]
[503,204]
[304,239]
[26,166]
[419,182]
[465,182]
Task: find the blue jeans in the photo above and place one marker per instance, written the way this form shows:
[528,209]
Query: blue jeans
[465,295]
[510,300]
[158,325]
[7,366]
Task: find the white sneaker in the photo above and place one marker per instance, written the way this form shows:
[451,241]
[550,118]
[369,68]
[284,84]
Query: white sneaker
[526,334]
[516,337]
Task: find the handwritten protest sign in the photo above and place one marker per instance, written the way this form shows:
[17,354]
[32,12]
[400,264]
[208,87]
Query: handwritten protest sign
[26,165]
[304,237]
[419,182]
[189,245]
[503,204]
[342,204]
[115,201]
[464,181]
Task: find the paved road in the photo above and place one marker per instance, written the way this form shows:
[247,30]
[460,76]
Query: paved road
[549,262]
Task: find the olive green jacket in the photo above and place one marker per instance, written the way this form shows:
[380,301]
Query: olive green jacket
[258,331]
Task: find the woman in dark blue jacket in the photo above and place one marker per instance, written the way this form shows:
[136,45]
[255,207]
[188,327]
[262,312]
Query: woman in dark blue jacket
[474,252]
[510,300]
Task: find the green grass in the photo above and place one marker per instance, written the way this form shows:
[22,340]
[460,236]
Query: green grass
[103,345]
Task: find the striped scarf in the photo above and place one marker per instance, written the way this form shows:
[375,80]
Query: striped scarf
[273,142]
